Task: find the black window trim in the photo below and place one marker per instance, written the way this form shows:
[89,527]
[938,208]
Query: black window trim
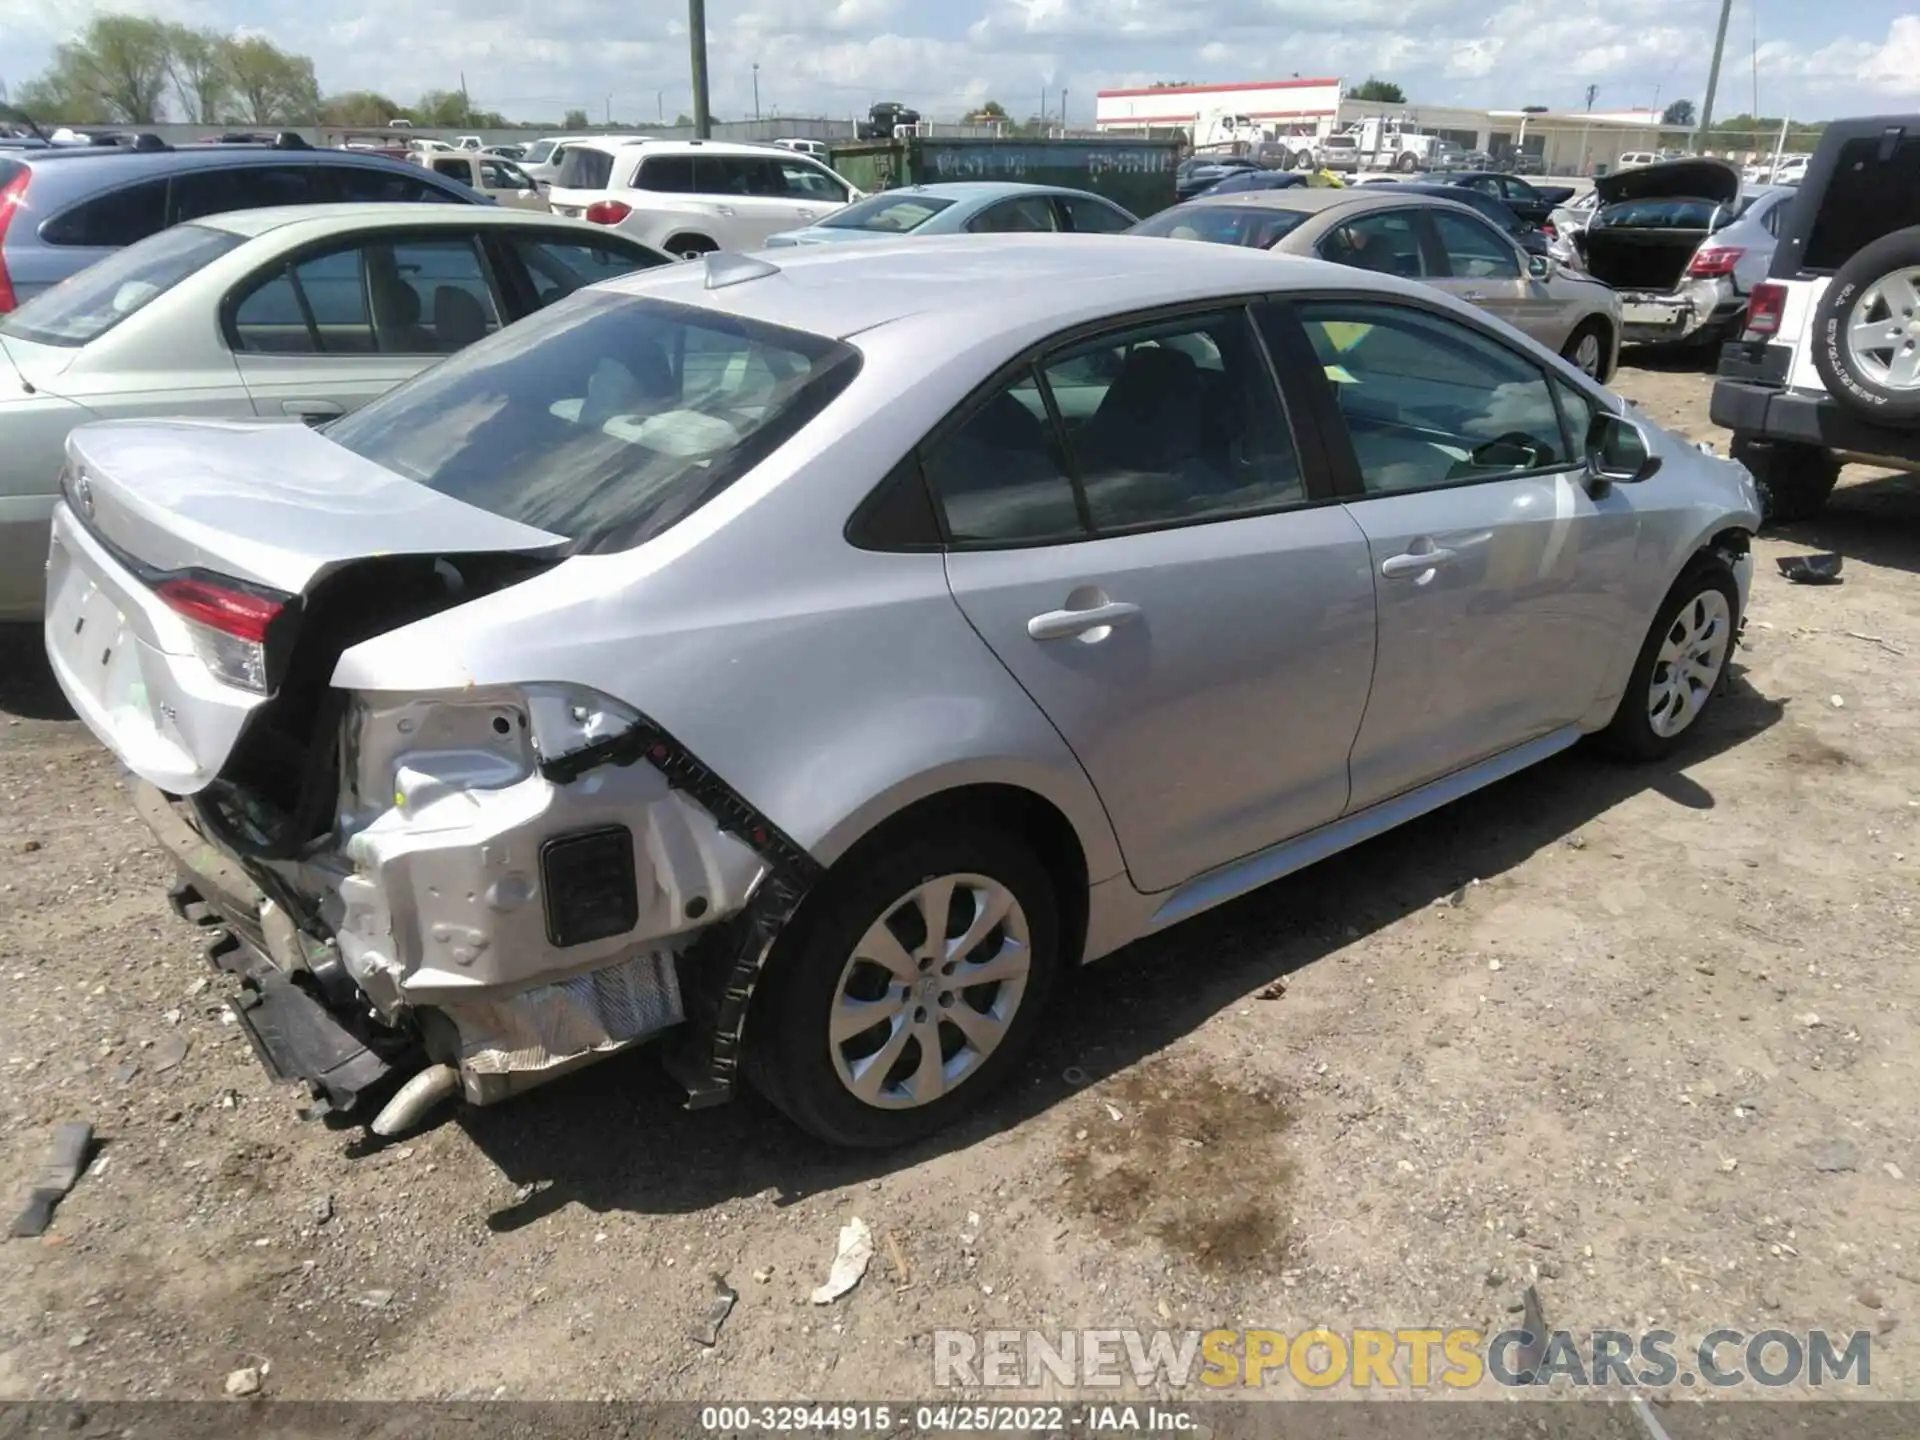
[1319,394]
[1310,450]
[244,287]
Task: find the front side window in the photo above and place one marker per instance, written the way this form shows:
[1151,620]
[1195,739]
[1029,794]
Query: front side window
[1473,250]
[1428,401]
[604,418]
[1095,217]
[452,166]
[242,187]
[539,151]
[1029,214]
[743,175]
[810,182]
[504,175]
[1387,242]
[380,184]
[86,305]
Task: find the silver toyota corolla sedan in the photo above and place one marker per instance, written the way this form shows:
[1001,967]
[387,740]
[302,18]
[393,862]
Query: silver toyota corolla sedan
[1425,237]
[694,658]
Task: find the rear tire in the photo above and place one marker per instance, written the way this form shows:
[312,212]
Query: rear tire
[1587,349]
[1875,299]
[825,965]
[1794,479]
[1680,665]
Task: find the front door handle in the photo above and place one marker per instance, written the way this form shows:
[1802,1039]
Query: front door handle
[1415,562]
[1067,624]
[313,411]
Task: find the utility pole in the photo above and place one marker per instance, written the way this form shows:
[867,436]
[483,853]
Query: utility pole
[1063,110]
[697,38]
[756,89]
[1592,90]
[466,102]
[1713,76]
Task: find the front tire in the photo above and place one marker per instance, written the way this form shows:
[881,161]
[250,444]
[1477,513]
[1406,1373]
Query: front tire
[1407,163]
[911,986]
[1680,665]
[1794,479]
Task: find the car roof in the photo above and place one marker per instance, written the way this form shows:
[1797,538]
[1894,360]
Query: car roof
[979,189]
[326,218]
[999,284]
[1310,200]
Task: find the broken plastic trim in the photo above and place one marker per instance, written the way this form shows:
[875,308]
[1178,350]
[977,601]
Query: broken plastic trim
[719,972]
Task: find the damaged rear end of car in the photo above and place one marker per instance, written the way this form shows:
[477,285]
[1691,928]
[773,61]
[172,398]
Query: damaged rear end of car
[439,887]
[1651,240]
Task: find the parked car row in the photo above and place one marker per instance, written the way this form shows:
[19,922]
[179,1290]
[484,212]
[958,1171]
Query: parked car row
[802,659]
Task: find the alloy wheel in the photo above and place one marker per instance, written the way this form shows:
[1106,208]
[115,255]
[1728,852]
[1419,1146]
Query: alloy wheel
[1586,355]
[930,991]
[1883,331]
[1688,664]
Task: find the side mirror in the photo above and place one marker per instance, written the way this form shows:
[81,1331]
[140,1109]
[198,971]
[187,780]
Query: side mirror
[1540,267]
[1618,452]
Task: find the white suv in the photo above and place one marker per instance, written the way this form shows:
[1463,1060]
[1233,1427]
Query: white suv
[1829,368]
[690,197]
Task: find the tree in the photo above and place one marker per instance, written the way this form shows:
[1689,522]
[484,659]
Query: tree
[575,120]
[993,110]
[1384,91]
[197,66]
[442,109]
[271,86]
[118,67]
[1680,112]
[360,108]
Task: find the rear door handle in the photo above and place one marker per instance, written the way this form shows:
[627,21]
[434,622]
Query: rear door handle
[1066,624]
[313,411]
[1416,562]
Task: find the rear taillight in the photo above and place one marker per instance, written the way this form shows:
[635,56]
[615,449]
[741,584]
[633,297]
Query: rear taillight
[608,212]
[1765,308]
[1550,230]
[11,195]
[229,627]
[1712,260]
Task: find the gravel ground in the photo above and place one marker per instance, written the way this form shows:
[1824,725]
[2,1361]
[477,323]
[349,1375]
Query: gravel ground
[1644,1038]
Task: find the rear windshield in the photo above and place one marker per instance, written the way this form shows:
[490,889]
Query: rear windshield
[1257,227]
[887,213]
[91,302]
[1866,198]
[1664,214]
[583,168]
[605,418]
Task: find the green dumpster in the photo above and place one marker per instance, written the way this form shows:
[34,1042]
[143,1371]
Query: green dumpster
[1135,173]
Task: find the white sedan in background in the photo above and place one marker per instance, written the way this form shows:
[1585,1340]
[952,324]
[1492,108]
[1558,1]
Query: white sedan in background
[304,312]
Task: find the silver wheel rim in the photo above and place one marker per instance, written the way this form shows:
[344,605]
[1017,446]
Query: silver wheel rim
[1883,332]
[1688,664]
[1586,354]
[929,992]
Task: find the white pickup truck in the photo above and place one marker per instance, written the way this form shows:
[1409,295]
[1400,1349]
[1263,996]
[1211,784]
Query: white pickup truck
[491,175]
[1829,368]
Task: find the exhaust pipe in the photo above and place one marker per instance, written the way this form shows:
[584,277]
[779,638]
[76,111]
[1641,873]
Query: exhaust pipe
[416,1099]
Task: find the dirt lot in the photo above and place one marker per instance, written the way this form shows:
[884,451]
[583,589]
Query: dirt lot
[1646,1038]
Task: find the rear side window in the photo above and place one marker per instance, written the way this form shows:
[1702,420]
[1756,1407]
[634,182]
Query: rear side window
[584,168]
[1255,227]
[452,165]
[667,174]
[1866,198]
[1027,215]
[890,213]
[405,297]
[1095,217]
[379,185]
[605,418]
[250,187]
[120,217]
[86,305]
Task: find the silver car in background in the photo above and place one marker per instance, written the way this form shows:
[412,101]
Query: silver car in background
[692,659]
[1416,236]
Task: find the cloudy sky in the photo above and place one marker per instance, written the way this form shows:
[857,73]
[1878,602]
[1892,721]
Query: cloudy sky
[537,58]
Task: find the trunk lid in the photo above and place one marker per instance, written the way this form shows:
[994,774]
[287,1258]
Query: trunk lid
[265,511]
[34,364]
[1701,178]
